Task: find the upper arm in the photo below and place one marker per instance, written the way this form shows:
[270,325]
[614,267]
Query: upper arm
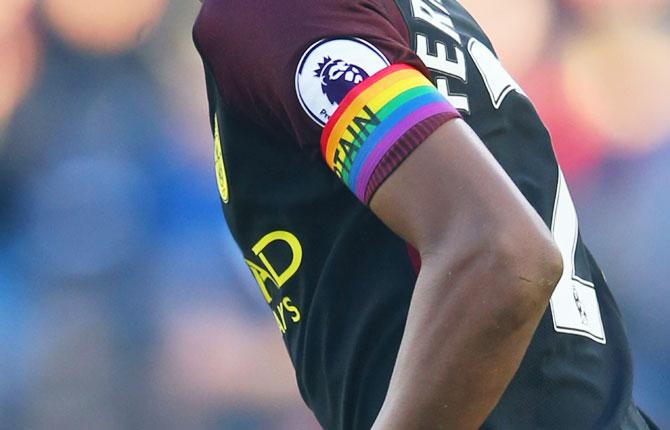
[451,192]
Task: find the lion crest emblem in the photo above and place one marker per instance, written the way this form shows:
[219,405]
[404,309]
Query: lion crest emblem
[338,78]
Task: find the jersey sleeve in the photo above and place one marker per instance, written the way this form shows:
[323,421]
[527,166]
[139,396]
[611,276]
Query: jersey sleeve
[337,78]
[378,124]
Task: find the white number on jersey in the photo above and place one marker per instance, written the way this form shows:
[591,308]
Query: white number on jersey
[498,82]
[574,304]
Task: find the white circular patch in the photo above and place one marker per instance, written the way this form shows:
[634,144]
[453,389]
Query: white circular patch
[329,69]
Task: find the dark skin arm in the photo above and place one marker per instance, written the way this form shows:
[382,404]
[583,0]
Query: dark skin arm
[489,267]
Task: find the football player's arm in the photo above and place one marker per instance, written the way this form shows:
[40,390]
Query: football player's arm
[488,269]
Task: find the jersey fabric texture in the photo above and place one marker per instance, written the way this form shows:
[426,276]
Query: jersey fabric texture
[284,82]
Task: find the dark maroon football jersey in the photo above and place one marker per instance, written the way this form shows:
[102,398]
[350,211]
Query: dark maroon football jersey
[313,103]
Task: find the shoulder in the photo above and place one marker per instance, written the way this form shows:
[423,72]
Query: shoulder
[274,23]
[289,64]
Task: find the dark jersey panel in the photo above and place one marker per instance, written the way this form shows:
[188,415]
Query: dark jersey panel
[341,320]
[337,280]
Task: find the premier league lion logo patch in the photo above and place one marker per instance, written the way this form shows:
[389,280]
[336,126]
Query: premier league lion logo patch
[330,69]
[338,78]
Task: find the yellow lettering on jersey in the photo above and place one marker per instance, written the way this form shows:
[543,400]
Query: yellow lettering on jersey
[295,313]
[279,317]
[296,251]
[286,308]
[266,271]
[221,179]
[261,275]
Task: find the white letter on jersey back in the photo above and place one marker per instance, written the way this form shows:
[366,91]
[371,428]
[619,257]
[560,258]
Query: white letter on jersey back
[441,63]
[437,15]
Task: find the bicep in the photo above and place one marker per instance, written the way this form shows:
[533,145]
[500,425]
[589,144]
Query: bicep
[450,190]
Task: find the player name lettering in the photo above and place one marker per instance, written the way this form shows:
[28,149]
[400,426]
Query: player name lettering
[434,13]
[433,51]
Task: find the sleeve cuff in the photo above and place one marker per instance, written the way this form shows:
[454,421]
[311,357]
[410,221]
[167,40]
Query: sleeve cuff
[402,149]
[379,123]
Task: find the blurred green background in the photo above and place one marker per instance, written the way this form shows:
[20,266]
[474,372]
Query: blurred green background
[124,303]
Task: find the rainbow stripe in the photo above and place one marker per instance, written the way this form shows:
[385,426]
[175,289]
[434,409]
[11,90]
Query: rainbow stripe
[373,117]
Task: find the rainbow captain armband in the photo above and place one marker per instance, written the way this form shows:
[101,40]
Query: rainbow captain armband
[379,123]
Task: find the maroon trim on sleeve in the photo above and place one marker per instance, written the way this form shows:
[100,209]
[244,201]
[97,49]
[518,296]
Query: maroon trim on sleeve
[414,258]
[403,148]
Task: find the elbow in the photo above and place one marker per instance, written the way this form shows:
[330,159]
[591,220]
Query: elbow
[532,258]
[529,268]
[507,272]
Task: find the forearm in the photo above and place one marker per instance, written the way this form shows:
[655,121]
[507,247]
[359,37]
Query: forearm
[462,342]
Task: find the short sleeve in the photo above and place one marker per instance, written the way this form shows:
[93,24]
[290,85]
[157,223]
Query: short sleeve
[337,78]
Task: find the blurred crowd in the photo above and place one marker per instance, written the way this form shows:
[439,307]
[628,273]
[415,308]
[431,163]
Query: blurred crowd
[124,302]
